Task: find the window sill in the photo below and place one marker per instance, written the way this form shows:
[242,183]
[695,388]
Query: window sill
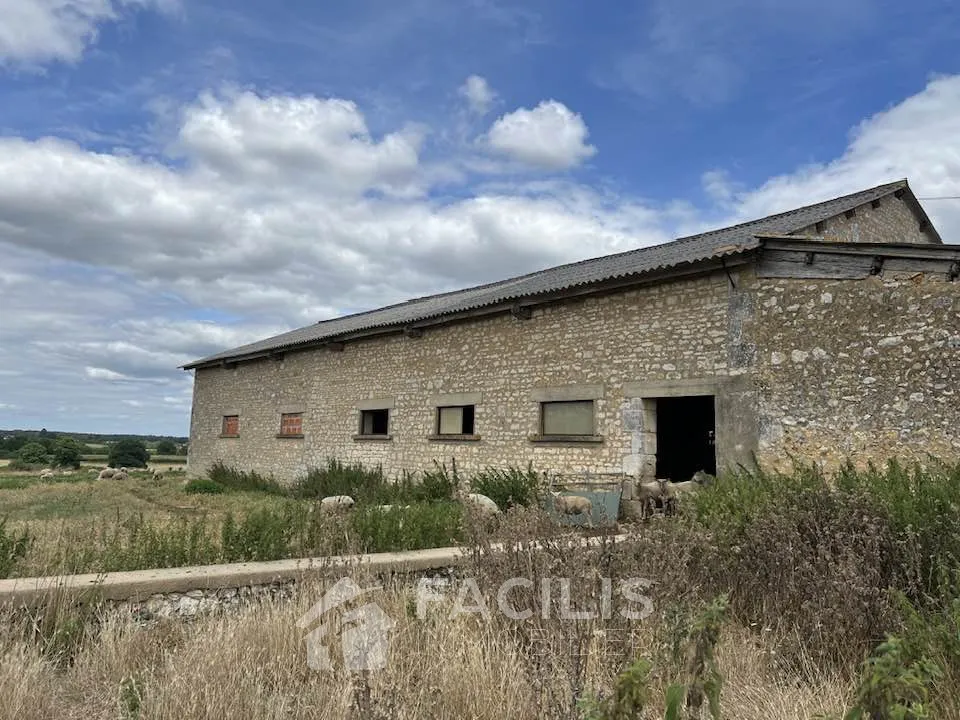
[287,436]
[568,439]
[453,438]
[373,438]
[236,435]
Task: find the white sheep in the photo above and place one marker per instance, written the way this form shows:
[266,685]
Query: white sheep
[106,474]
[648,493]
[46,474]
[484,505]
[674,491]
[336,503]
[157,476]
[571,504]
[122,475]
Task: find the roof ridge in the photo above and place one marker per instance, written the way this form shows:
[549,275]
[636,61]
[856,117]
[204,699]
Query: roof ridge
[637,260]
[686,238]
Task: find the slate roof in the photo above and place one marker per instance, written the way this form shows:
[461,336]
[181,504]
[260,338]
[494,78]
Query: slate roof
[713,244]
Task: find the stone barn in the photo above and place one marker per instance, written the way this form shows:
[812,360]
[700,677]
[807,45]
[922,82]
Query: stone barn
[824,333]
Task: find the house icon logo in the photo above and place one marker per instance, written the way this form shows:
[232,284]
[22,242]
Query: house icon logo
[363,632]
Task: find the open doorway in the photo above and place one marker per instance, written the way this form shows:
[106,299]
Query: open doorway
[686,428]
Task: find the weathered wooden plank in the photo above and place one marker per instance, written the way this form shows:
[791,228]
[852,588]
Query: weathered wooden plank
[827,265]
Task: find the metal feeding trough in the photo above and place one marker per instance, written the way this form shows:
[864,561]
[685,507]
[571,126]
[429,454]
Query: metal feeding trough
[604,499]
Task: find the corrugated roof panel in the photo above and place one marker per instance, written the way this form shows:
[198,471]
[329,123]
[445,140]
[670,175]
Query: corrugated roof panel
[584,272]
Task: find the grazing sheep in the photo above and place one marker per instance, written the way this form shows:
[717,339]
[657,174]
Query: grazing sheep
[157,476]
[121,475]
[674,491]
[336,503]
[106,474]
[46,474]
[571,504]
[484,505]
[648,494]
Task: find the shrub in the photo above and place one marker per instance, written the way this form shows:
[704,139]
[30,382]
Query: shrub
[895,685]
[128,453]
[439,483]
[230,478]
[203,486]
[261,535]
[67,452]
[815,558]
[509,488]
[33,453]
[418,526]
[363,485]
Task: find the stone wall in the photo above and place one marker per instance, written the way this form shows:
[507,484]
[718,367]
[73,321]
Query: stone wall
[859,369]
[690,328]
[891,221]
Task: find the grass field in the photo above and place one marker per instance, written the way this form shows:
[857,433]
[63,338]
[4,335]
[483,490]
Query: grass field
[74,523]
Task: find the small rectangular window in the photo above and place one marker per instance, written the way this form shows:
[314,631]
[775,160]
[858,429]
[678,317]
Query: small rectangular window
[375,422]
[230,426]
[455,420]
[291,424]
[566,418]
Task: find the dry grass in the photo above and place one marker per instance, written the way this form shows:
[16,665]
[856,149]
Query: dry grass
[63,517]
[253,664]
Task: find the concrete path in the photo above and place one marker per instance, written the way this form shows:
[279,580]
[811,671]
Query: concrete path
[141,584]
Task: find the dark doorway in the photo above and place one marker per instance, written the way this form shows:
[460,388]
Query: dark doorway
[685,437]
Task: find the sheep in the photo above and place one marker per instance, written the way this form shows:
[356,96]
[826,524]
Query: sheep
[157,476]
[106,474]
[674,491]
[648,493]
[46,474]
[336,503]
[484,506]
[122,475]
[571,504]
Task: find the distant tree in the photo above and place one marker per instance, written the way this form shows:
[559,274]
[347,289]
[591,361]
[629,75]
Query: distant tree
[67,452]
[166,447]
[33,453]
[128,453]
[10,445]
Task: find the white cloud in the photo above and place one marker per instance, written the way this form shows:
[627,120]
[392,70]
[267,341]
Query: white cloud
[33,32]
[478,93]
[550,136]
[97,373]
[119,268]
[918,139]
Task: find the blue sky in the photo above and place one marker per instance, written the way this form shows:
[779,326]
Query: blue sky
[180,176]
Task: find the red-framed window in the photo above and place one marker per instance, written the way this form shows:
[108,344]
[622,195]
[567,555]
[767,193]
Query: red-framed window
[231,425]
[291,424]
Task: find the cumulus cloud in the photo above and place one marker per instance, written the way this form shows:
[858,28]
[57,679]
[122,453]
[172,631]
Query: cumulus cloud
[478,93]
[118,268]
[550,136]
[918,139]
[33,32]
